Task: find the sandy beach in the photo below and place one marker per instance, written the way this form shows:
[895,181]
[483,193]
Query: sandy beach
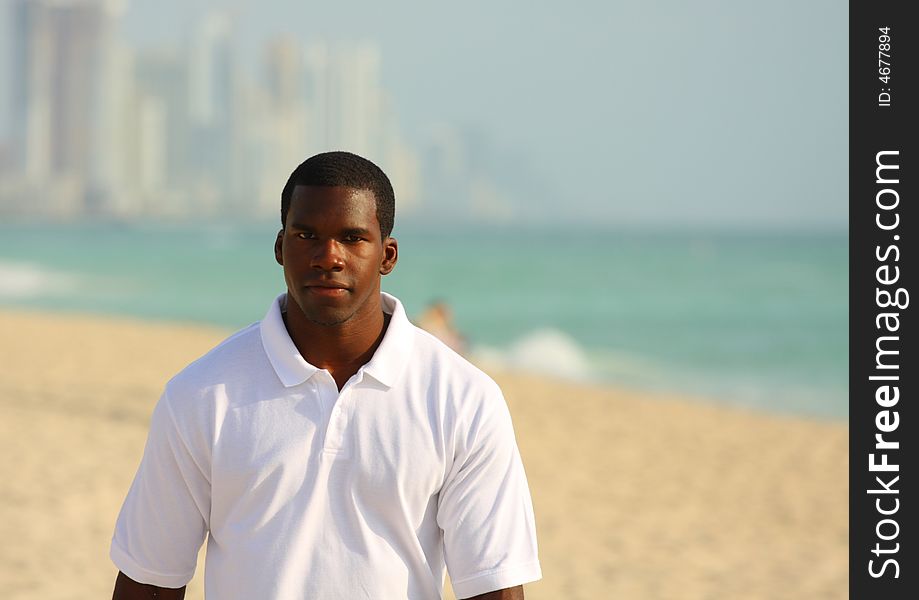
[636,496]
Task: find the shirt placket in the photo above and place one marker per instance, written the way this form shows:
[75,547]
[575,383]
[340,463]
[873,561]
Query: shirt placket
[335,405]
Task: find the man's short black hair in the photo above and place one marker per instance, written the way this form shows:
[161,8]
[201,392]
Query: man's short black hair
[333,169]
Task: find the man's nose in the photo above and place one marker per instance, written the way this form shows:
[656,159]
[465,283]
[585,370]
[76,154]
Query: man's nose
[328,256]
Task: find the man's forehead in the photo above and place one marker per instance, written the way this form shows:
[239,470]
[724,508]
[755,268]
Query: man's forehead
[318,196]
[350,207]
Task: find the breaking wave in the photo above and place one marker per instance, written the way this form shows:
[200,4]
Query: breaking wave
[19,281]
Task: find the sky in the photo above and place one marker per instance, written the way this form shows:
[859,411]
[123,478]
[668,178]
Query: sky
[703,113]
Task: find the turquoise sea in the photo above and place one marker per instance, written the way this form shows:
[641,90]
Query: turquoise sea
[756,319]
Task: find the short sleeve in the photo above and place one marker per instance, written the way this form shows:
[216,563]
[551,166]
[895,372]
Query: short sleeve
[485,510]
[164,518]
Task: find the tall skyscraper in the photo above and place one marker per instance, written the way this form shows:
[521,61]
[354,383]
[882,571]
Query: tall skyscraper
[214,119]
[211,63]
[161,80]
[357,97]
[349,110]
[345,97]
[278,139]
[65,95]
[284,73]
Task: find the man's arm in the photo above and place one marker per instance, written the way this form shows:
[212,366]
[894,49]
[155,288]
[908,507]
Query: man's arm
[514,593]
[128,589]
[164,518]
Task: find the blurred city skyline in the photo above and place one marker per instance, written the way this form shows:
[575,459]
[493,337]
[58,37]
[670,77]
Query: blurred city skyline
[713,114]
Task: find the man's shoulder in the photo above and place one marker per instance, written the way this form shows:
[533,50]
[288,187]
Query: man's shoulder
[238,355]
[442,362]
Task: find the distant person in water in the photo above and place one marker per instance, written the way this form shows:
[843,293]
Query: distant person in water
[331,451]
[437,319]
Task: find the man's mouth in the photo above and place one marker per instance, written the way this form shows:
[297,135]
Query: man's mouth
[328,289]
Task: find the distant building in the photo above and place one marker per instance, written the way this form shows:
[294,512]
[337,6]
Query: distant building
[65,84]
[279,139]
[349,110]
[214,115]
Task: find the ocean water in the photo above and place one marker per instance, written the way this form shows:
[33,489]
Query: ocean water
[759,320]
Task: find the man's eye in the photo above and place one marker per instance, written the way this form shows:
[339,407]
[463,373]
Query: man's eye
[353,238]
[305,236]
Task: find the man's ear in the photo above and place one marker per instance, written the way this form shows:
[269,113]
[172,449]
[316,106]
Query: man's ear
[278,247]
[390,255]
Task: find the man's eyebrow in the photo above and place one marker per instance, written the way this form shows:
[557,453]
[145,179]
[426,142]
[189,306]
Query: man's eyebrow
[356,231]
[344,231]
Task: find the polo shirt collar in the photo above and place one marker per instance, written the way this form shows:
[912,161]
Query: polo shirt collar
[386,364]
[394,351]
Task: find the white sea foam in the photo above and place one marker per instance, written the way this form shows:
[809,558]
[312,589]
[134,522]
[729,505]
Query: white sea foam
[548,351]
[554,352]
[24,280]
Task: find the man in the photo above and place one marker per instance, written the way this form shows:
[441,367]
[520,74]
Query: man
[332,450]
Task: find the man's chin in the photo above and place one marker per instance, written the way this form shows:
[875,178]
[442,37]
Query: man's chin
[328,319]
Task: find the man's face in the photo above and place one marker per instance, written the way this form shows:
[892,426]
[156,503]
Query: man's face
[333,253]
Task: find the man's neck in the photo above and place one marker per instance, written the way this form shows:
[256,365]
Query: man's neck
[341,349]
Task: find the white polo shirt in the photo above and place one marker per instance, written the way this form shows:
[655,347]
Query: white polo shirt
[307,492]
